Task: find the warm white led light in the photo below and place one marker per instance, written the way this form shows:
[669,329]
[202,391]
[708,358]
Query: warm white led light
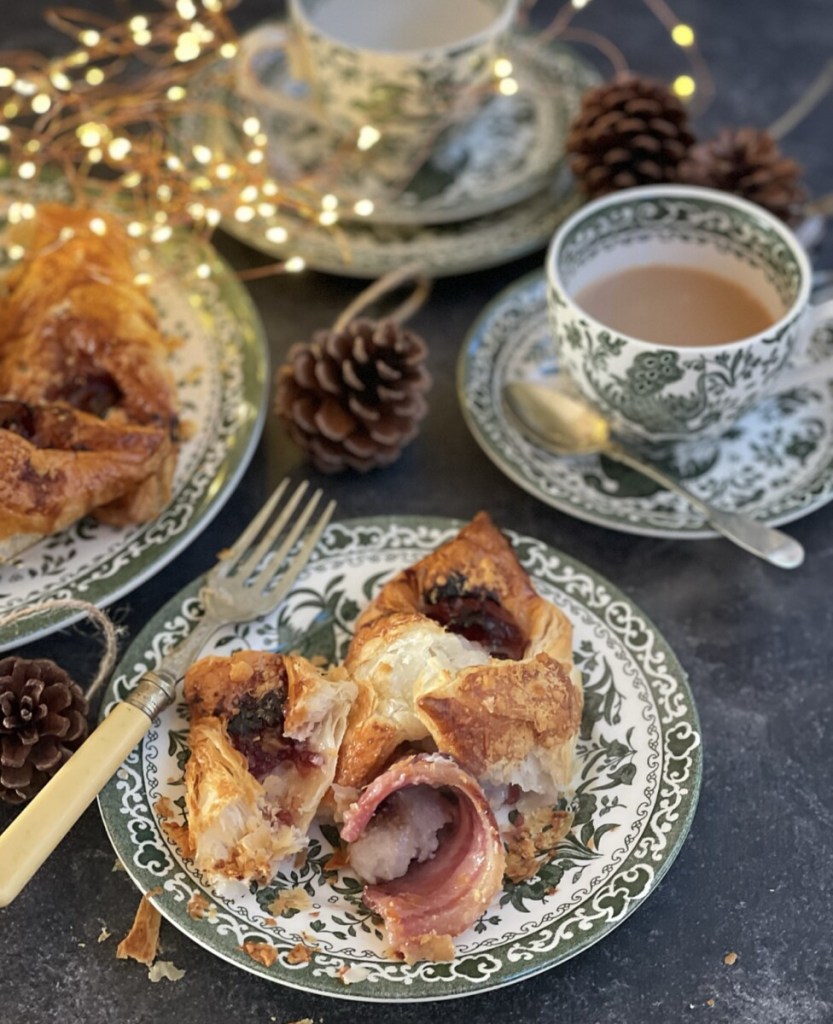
[119,148]
[368,136]
[683,35]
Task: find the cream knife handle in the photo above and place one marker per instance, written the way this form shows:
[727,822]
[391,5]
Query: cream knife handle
[44,822]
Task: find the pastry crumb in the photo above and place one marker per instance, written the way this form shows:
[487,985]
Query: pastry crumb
[352,975]
[179,835]
[117,865]
[164,969]
[289,900]
[142,941]
[710,1002]
[197,906]
[104,934]
[175,830]
[338,859]
[165,808]
[533,840]
[300,953]
[730,958]
[261,952]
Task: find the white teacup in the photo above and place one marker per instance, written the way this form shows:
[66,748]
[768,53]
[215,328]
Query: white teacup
[654,391]
[381,69]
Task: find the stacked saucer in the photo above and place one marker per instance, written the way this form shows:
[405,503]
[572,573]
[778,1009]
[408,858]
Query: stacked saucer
[492,186]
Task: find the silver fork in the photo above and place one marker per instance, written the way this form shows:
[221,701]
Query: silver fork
[251,580]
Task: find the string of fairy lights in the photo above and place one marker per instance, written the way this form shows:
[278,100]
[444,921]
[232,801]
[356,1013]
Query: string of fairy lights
[104,116]
[693,83]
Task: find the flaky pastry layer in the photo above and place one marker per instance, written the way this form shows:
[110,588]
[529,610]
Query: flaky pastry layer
[507,720]
[264,737]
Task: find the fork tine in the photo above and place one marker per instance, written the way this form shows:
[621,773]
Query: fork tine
[236,552]
[250,564]
[301,559]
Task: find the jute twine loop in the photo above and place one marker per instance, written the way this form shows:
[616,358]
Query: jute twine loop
[103,621]
[383,286]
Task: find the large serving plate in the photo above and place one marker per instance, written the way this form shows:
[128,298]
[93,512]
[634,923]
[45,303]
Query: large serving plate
[638,776]
[221,370]
[776,463]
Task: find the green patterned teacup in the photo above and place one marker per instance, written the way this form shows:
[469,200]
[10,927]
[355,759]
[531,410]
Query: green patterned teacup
[395,70]
[659,393]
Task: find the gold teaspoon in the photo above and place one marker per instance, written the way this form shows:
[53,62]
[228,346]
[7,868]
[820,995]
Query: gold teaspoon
[564,424]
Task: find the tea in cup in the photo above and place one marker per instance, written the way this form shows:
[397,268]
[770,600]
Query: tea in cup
[396,70]
[675,309]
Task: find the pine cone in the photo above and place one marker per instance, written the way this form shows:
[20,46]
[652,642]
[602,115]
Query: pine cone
[748,163]
[42,721]
[354,398]
[630,131]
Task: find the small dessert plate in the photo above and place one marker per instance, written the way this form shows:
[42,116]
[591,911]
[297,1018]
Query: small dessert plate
[503,152]
[639,765]
[776,463]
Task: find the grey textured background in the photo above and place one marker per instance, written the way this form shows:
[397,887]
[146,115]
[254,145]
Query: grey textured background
[756,872]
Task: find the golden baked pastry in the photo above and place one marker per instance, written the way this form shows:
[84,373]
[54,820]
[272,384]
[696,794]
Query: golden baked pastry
[76,330]
[58,464]
[459,653]
[264,736]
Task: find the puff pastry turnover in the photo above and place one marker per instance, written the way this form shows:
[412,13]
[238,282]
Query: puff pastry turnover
[459,653]
[264,737]
[76,330]
[57,463]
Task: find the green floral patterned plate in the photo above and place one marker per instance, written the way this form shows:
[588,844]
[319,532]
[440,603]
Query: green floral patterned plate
[637,782]
[776,463]
[221,373]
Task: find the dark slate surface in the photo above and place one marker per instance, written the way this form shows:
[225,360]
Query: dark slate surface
[756,872]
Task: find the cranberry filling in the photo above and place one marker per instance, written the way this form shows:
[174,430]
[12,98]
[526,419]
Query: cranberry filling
[257,732]
[477,615]
[18,417]
[50,427]
[265,752]
[91,391]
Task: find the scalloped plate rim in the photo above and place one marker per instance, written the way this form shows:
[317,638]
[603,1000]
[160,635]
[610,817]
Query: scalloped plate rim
[552,959]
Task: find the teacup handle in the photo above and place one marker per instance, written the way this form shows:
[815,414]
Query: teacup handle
[272,38]
[809,373]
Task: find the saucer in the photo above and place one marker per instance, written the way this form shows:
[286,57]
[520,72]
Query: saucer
[503,153]
[368,250]
[776,463]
